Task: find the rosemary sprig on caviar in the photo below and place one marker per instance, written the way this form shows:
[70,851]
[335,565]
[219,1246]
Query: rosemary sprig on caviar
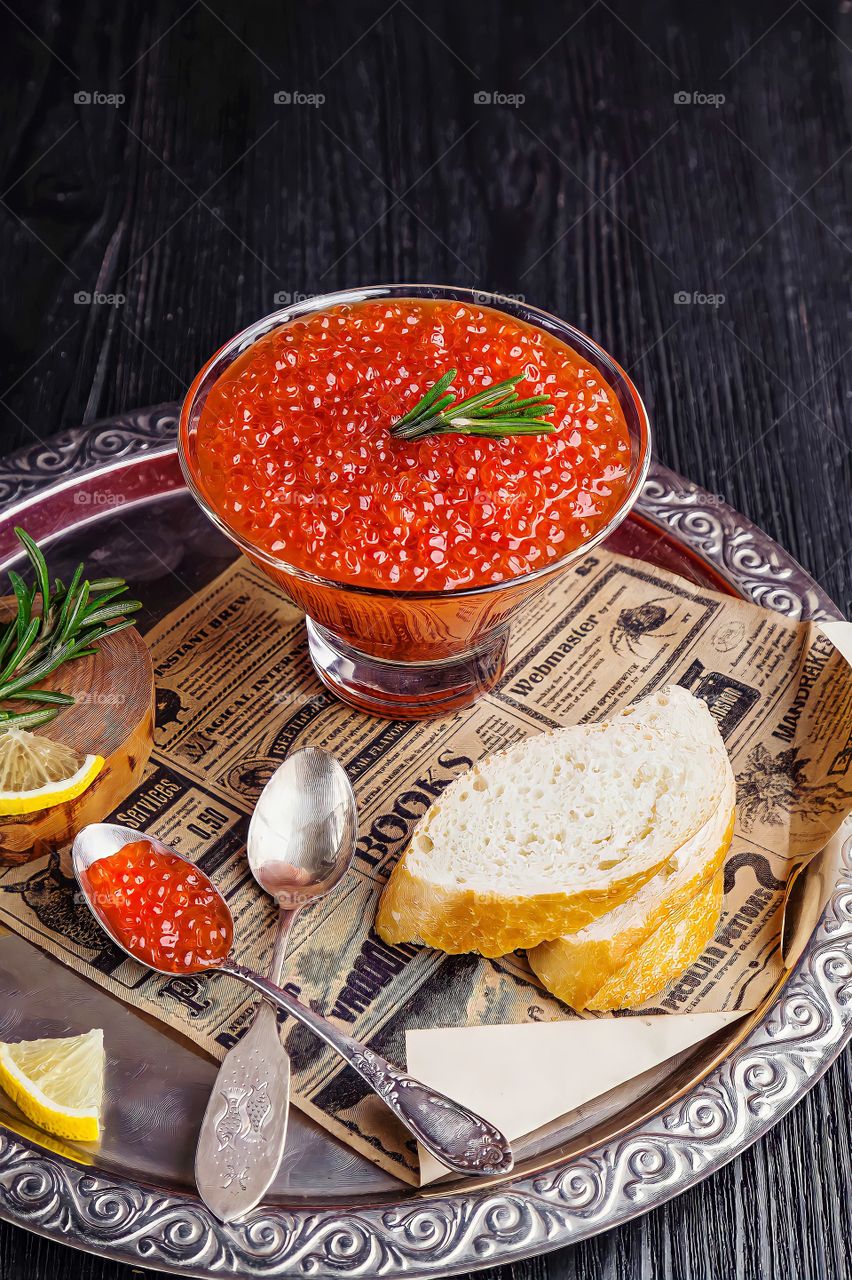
[498,411]
[69,623]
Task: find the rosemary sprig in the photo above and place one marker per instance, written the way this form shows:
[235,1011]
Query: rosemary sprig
[69,623]
[498,411]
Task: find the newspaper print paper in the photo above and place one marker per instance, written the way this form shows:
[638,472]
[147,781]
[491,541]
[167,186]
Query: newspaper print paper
[236,693]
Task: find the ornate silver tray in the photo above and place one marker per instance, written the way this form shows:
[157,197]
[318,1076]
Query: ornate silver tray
[114,492]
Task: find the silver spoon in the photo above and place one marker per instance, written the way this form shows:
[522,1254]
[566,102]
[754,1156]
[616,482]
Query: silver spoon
[301,840]
[457,1137]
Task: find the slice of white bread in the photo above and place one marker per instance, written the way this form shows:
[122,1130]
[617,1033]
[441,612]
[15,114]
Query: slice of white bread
[666,954]
[540,840]
[575,967]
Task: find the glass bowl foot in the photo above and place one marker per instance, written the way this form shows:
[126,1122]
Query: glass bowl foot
[406,690]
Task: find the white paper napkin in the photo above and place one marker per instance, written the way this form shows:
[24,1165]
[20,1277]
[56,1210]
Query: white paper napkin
[523,1077]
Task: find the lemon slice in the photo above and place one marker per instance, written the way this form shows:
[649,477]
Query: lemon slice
[37,773]
[58,1084]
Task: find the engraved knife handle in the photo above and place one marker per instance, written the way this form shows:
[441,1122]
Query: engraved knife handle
[242,1136]
[460,1139]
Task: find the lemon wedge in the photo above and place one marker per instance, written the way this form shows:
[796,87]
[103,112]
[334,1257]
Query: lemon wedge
[37,773]
[58,1084]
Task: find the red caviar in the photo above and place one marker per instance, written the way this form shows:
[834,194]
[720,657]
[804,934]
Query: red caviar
[161,908]
[295,454]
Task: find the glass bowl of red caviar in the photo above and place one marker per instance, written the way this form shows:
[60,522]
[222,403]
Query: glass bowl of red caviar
[409,556]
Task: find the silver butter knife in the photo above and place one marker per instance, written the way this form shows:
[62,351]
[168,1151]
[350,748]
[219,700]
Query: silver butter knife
[242,1136]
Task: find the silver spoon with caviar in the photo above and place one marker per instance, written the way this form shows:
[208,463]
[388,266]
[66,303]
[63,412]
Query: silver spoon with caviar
[164,912]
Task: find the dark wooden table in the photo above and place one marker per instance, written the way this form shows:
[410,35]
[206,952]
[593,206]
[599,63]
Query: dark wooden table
[673,178]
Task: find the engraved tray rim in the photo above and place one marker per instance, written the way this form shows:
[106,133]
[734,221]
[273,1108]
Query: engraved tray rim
[764,1075]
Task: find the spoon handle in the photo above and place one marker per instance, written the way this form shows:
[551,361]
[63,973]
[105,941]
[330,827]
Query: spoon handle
[460,1139]
[279,946]
[242,1135]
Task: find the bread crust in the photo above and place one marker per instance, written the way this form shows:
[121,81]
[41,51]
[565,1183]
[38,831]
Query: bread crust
[459,920]
[666,954]
[575,968]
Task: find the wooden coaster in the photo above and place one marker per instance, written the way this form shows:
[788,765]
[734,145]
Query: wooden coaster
[113,717]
